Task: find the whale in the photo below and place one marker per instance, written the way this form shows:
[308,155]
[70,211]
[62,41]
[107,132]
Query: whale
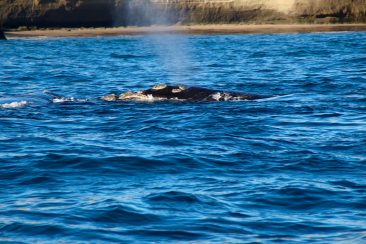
[181,93]
[156,93]
[2,35]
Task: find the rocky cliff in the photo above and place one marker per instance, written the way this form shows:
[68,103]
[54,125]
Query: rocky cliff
[93,13]
[56,13]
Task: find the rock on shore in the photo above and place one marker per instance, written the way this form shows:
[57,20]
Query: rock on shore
[97,13]
[2,35]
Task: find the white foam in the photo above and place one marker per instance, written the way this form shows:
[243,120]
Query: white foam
[14,104]
[225,96]
[63,99]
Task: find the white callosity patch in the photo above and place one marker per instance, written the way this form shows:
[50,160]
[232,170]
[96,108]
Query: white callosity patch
[217,96]
[159,87]
[139,96]
[176,90]
[14,104]
[130,96]
[109,98]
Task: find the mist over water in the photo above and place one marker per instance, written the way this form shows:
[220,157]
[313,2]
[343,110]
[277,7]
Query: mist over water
[173,50]
[145,13]
[174,56]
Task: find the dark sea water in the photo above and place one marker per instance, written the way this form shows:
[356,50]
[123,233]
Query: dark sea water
[291,168]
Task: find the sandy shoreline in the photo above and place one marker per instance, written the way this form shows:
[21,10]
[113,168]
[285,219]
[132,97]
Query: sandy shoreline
[192,29]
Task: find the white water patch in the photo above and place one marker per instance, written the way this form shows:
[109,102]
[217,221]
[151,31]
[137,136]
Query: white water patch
[69,100]
[274,98]
[224,97]
[63,99]
[241,99]
[14,105]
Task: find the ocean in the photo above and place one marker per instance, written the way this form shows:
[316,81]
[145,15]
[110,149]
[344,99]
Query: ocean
[290,168]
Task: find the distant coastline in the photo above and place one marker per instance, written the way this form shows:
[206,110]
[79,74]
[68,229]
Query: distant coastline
[111,13]
[185,29]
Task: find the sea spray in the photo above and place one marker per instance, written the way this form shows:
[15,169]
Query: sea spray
[13,105]
[145,13]
[173,50]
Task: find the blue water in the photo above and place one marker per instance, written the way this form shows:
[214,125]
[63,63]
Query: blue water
[291,168]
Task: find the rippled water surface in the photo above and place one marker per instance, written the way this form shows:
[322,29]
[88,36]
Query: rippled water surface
[289,168]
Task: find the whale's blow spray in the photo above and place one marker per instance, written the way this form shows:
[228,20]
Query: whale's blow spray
[173,52]
[146,12]
[172,49]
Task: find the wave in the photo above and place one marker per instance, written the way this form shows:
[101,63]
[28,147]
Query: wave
[69,100]
[129,56]
[13,105]
[173,197]
[36,100]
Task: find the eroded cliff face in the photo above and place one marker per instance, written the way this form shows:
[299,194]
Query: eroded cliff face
[77,13]
[136,12]
[57,13]
[330,10]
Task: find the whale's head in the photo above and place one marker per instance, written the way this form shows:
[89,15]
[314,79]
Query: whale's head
[109,98]
[165,91]
[157,92]
[140,96]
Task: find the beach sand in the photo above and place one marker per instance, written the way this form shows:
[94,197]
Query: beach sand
[189,29]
